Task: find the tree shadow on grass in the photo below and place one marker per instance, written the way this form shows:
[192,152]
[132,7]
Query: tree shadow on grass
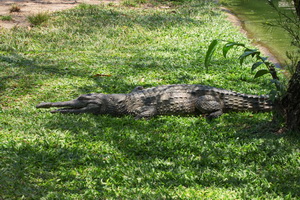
[95,19]
[162,152]
[88,21]
[97,16]
[162,146]
[274,156]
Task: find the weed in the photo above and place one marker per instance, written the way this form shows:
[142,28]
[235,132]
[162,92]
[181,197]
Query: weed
[269,68]
[38,19]
[133,3]
[15,8]
[6,18]
[141,1]
[129,3]
[111,4]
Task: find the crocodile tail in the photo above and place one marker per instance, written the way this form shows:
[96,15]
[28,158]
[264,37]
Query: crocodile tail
[245,102]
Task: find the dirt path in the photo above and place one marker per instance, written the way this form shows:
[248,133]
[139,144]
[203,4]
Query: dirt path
[30,7]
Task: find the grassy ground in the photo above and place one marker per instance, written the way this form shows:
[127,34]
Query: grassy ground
[46,156]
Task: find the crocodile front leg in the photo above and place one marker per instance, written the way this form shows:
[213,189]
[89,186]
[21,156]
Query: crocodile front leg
[145,112]
[209,105]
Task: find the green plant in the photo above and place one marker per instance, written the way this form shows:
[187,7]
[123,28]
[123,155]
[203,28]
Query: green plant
[270,68]
[6,18]
[15,8]
[130,3]
[133,3]
[111,4]
[38,19]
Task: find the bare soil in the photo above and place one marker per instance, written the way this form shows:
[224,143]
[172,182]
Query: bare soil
[31,7]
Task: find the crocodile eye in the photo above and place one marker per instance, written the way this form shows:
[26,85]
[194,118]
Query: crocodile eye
[98,102]
[81,98]
[84,96]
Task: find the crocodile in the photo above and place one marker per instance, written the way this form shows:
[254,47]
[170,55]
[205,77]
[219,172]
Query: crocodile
[181,99]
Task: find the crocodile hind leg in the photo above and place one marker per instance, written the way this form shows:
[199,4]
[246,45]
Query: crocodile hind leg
[215,114]
[210,106]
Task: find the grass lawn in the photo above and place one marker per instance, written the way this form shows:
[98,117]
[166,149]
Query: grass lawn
[53,156]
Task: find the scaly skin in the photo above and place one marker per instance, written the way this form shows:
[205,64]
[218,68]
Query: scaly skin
[165,100]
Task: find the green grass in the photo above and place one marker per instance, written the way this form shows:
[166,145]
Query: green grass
[38,19]
[6,18]
[46,156]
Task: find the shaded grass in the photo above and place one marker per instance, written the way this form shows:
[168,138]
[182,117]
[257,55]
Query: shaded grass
[91,157]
